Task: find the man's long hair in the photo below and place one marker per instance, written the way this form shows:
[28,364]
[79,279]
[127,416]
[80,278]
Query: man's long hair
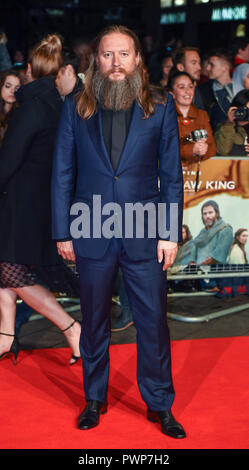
[147,96]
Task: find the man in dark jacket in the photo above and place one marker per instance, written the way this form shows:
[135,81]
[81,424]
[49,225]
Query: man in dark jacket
[217,92]
[108,148]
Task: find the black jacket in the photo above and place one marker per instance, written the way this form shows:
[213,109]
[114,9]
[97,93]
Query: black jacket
[25,176]
[205,90]
[211,105]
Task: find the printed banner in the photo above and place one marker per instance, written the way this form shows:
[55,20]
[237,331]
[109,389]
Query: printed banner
[216,219]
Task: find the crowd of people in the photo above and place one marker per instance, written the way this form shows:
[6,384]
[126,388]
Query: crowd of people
[219,79]
[207,91]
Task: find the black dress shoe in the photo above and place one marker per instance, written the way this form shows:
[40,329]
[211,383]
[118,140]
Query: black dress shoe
[170,427]
[89,417]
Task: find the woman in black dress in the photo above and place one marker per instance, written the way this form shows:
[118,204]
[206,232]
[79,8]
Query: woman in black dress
[28,256]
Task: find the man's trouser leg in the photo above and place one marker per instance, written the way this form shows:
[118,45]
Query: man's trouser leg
[146,286]
[97,278]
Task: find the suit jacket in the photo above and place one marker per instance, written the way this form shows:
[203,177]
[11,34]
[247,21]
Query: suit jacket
[82,169]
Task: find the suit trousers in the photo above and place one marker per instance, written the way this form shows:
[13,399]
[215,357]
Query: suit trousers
[146,287]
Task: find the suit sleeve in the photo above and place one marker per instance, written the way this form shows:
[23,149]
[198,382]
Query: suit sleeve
[63,174]
[21,130]
[170,172]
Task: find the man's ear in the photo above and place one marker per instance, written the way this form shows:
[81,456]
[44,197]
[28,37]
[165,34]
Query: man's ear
[180,67]
[28,72]
[138,59]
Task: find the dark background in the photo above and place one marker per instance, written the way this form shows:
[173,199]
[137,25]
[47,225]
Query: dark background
[26,21]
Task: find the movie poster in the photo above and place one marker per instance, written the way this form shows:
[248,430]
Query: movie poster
[216,218]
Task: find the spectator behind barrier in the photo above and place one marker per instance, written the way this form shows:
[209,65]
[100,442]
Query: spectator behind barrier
[190,119]
[5,61]
[167,64]
[240,50]
[241,78]
[231,136]
[217,93]
[9,84]
[204,74]
[67,79]
[187,59]
[81,47]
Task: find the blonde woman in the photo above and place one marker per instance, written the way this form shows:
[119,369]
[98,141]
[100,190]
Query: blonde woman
[28,256]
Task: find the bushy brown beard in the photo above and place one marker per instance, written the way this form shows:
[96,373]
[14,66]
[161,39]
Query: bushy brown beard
[116,95]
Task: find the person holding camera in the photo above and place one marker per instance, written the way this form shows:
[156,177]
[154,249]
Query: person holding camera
[190,119]
[231,137]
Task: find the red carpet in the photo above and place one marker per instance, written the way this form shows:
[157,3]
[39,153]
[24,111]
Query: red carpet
[41,398]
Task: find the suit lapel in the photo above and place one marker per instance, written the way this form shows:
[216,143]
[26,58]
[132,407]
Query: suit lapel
[135,126]
[94,125]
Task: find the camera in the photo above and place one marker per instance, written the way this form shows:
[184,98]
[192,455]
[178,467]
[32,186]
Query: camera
[241,114]
[196,135]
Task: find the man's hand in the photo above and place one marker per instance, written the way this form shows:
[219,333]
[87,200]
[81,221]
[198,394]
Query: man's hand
[65,249]
[166,250]
[230,114]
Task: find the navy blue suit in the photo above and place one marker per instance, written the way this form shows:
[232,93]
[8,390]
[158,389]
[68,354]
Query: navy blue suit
[82,168]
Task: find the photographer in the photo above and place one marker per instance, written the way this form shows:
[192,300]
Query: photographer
[190,119]
[231,136]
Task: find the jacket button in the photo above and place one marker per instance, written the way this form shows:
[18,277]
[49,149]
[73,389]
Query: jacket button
[116,177]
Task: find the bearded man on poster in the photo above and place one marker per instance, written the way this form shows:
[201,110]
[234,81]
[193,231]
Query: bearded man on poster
[114,140]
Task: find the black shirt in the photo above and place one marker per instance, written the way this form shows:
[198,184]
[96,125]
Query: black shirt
[115,139]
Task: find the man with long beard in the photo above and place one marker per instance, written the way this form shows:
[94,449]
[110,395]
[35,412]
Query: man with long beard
[114,140]
[214,240]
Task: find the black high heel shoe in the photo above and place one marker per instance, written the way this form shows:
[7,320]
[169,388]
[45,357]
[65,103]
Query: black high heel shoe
[14,349]
[75,358]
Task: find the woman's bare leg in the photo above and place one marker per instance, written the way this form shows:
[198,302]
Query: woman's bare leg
[8,300]
[44,302]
